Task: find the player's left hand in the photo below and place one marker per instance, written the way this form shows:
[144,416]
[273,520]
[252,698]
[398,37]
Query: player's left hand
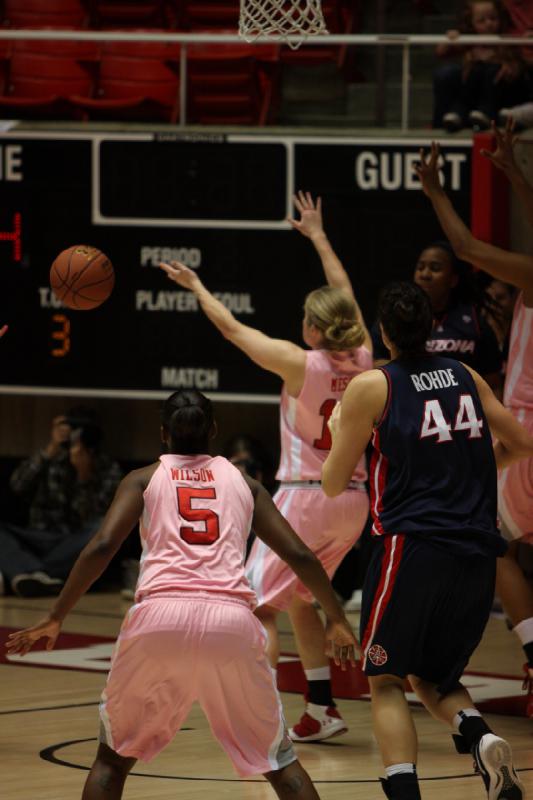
[428,170]
[21,642]
[310,222]
[335,420]
[180,274]
[503,156]
[341,645]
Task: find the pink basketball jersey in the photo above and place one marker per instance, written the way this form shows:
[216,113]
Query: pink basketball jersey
[196,519]
[519,380]
[305,436]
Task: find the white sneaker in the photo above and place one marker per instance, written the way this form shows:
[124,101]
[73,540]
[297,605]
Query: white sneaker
[494,761]
[479,120]
[522,115]
[318,723]
[354,603]
[452,122]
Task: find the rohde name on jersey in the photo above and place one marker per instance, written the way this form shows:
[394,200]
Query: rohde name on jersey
[436,379]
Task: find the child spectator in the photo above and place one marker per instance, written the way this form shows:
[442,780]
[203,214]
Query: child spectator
[487,79]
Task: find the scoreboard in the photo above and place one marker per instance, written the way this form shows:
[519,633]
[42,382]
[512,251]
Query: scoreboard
[219,203]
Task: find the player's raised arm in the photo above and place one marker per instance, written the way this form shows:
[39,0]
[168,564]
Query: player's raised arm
[513,440]
[503,159]
[276,355]
[509,267]
[311,225]
[351,426]
[275,531]
[118,523]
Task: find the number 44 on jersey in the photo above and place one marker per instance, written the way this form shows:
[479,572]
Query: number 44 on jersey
[434,422]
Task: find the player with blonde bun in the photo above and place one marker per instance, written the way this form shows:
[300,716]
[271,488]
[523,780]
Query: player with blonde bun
[314,380]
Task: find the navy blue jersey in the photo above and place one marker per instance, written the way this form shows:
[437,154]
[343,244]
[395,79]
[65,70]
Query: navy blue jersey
[433,472]
[458,333]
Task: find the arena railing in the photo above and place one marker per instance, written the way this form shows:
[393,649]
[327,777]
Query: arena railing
[405,42]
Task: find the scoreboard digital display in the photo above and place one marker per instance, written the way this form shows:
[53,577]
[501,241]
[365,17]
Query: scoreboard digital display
[217,203]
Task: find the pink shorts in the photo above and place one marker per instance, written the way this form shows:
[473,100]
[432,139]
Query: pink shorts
[515,491]
[328,526]
[179,648]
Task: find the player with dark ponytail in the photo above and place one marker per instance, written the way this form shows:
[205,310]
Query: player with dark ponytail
[429,587]
[187,418]
[405,314]
[191,631]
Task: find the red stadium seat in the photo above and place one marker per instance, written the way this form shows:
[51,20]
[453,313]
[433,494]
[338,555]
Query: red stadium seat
[86,52]
[230,85]
[204,15]
[38,13]
[127,12]
[40,84]
[136,81]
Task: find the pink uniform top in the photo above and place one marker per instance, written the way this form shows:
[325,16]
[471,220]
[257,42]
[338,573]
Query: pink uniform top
[196,519]
[518,391]
[305,436]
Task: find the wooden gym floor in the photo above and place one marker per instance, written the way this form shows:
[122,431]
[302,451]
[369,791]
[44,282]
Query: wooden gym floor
[49,724]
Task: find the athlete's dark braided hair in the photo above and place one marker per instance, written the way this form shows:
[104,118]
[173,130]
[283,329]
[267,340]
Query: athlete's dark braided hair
[470,285]
[187,415]
[405,313]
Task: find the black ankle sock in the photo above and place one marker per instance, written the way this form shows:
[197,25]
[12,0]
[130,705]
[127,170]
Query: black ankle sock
[472,729]
[528,650]
[319,692]
[403,786]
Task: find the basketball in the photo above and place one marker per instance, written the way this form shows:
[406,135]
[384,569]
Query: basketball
[82,277]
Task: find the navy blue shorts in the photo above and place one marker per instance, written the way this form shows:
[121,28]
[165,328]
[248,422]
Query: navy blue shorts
[424,610]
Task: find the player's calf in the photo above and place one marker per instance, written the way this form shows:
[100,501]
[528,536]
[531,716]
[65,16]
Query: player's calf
[292,783]
[107,776]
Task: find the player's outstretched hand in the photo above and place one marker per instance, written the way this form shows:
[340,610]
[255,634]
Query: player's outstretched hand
[310,222]
[180,274]
[503,156]
[428,170]
[21,642]
[341,645]
[3,330]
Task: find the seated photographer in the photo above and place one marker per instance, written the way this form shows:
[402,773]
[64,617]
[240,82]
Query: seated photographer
[68,487]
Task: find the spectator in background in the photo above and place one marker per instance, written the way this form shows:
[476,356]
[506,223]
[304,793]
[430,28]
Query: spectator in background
[487,79]
[68,486]
[499,314]
[459,331]
[248,454]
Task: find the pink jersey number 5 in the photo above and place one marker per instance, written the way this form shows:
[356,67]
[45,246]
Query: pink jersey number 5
[211,531]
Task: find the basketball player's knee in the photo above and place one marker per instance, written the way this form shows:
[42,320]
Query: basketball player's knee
[290,781]
[418,684]
[112,762]
[380,683]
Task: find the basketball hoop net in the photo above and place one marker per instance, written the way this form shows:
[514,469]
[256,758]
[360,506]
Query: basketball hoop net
[285,18]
